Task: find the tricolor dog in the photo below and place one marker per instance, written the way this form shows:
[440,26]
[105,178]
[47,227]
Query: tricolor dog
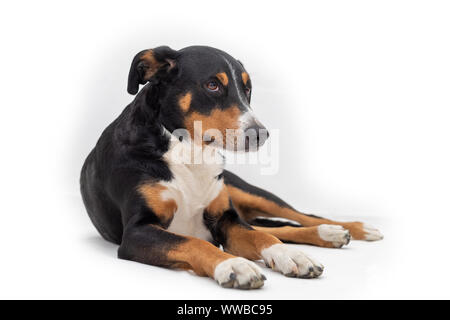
[169,210]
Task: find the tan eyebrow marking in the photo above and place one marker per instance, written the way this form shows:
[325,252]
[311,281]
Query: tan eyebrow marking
[222,76]
[185,101]
[245,77]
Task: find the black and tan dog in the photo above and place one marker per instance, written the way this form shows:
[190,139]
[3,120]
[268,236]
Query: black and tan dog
[175,214]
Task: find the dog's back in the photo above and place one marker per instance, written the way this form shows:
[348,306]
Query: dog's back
[102,211]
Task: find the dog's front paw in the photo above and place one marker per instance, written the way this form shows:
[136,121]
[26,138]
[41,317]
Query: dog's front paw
[363,231]
[239,273]
[371,233]
[336,235]
[291,262]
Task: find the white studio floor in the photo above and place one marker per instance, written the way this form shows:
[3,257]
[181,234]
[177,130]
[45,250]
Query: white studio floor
[77,263]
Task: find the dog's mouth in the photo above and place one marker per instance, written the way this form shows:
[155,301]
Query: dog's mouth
[249,140]
[253,143]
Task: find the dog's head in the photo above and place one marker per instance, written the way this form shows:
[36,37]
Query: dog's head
[204,91]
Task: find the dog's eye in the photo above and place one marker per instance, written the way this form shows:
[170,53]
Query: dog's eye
[212,85]
[248,91]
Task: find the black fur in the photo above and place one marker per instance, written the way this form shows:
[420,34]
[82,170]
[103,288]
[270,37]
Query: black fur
[128,152]
[262,222]
[144,242]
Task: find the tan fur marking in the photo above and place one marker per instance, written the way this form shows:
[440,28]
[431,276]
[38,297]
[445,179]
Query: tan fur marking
[217,119]
[220,203]
[248,243]
[245,77]
[250,206]
[185,101]
[308,235]
[356,229]
[222,76]
[164,209]
[200,256]
[152,64]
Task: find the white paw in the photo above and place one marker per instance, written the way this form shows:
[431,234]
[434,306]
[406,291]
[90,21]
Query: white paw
[335,234]
[291,261]
[371,234]
[239,273]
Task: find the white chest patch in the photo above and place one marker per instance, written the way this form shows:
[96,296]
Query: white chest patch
[193,188]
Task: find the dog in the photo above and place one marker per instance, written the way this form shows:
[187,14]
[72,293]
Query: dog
[176,214]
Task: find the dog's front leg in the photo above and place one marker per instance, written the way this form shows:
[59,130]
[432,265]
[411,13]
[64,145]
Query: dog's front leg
[151,244]
[240,239]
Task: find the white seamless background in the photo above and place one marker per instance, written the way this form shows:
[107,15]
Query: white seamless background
[358,89]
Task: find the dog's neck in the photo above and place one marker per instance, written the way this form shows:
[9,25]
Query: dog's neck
[191,154]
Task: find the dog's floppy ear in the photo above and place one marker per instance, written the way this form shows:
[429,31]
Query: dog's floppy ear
[148,64]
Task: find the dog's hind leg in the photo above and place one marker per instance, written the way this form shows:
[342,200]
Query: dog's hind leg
[324,235]
[253,202]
